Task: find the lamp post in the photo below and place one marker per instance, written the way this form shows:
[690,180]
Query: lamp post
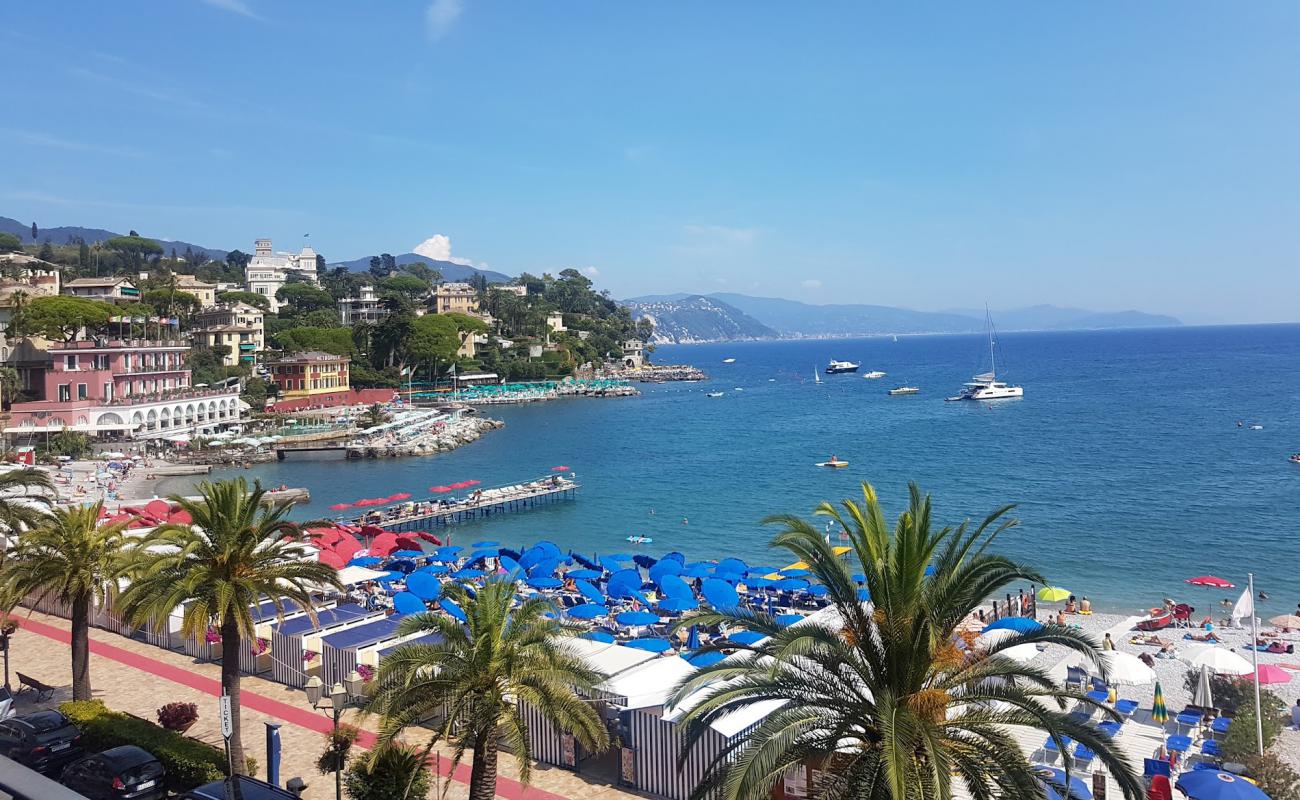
[338,697]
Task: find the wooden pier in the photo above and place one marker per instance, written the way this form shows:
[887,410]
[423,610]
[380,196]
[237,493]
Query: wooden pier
[499,500]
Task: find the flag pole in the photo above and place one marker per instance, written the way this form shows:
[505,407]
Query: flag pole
[1254,650]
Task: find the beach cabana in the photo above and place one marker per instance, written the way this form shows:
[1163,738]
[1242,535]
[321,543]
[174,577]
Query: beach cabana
[290,662]
[338,649]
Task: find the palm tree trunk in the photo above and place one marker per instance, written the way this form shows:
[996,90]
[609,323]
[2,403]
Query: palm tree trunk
[483,774]
[81,647]
[230,644]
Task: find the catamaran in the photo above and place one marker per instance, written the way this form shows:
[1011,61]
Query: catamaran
[986,386]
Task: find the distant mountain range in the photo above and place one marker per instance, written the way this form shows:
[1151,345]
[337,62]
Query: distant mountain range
[697,318]
[682,319]
[65,234]
[450,271]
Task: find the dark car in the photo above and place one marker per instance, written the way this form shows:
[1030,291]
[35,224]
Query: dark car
[42,740]
[248,789]
[122,773]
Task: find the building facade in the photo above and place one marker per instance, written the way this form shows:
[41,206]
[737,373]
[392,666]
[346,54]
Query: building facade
[237,326]
[310,374]
[453,298]
[121,388]
[205,292]
[112,290]
[267,270]
[366,308]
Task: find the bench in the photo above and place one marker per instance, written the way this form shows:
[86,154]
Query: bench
[43,690]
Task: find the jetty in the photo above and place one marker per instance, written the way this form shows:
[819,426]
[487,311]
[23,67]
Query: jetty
[416,515]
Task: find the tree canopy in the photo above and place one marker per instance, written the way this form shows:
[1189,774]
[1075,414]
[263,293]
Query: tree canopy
[10,243]
[327,340]
[251,298]
[134,249]
[304,297]
[62,317]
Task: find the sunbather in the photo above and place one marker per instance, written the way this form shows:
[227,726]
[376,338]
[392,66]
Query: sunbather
[1208,636]
[1151,640]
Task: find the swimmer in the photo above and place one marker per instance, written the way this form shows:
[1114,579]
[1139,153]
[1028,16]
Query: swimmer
[685,521]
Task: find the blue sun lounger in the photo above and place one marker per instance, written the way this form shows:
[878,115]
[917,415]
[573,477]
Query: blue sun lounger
[1126,707]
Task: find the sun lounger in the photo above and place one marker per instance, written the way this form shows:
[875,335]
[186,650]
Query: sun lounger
[1083,756]
[1211,748]
[1126,707]
[1220,726]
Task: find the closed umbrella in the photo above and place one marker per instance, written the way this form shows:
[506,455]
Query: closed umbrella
[1159,714]
[1204,695]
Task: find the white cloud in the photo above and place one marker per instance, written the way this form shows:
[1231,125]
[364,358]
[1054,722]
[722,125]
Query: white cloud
[440,16]
[722,234]
[438,247]
[234,7]
[811,283]
[591,272]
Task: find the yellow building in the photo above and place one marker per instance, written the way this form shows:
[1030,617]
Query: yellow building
[310,374]
[206,292]
[453,298]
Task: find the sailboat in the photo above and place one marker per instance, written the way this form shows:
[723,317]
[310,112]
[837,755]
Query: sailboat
[986,385]
[817,378]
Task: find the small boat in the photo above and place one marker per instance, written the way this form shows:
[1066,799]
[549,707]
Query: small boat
[1295,458]
[817,378]
[895,337]
[836,464]
[728,361]
[874,374]
[640,539]
[986,385]
[901,390]
[1257,427]
[738,389]
[714,394]
[838,367]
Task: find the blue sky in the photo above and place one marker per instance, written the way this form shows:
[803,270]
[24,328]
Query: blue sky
[1122,155]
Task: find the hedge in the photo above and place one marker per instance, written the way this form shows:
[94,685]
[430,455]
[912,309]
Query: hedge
[189,762]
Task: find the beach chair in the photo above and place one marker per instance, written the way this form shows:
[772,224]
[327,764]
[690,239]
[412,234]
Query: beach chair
[1076,676]
[1183,615]
[1083,756]
[1125,708]
[1050,748]
[1155,767]
[1211,748]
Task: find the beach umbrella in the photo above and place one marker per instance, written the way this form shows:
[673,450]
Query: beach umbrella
[795,573]
[675,556]
[644,562]
[678,604]
[1211,581]
[1125,669]
[435,569]
[472,482]
[1017,624]
[1268,673]
[1219,661]
[452,609]
[486,544]
[552,550]
[610,564]
[693,638]
[746,637]
[408,603]
[584,574]
[759,583]
[704,659]
[400,496]
[650,645]
[1159,714]
[731,565]
[440,489]
[459,485]
[587,611]
[477,554]
[1055,777]
[462,574]
[624,583]
[696,570]
[590,591]
[1285,621]
[786,620]
[409,554]
[598,636]
[760,571]
[364,561]
[340,506]
[544,582]
[331,558]
[424,585]
[730,577]
[720,594]
[508,565]
[816,591]
[559,468]
[673,586]
[662,568]
[1053,594]
[1215,784]
[1204,695]
[637,618]
[389,577]
[790,584]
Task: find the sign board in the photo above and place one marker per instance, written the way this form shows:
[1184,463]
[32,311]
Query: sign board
[1099,786]
[227,718]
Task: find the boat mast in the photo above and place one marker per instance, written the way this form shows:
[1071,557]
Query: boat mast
[988,322]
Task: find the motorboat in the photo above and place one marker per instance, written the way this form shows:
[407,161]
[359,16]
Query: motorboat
[715,394]
[1295,458]
[986,386]
[874,374]
[728,361]
[901,390]
[838,367]
[640,539]
[834,464]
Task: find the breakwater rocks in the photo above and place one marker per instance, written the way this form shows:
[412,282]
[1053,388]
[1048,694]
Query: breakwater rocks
[662,374]
[439,439]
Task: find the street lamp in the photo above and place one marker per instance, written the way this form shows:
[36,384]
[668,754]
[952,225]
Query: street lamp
[339,695]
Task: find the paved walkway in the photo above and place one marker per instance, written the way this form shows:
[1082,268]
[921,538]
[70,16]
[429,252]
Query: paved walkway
[135,677]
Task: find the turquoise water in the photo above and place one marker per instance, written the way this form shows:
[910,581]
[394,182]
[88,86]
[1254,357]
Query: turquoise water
[1124,457]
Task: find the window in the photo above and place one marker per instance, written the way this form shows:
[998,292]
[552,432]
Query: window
[65,392]
[70,362]
[82,392]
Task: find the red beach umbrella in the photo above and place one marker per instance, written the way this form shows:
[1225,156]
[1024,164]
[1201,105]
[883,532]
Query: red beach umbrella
[1269,673]
[340,507]
[1211,581]
[332,558]
[384,545]
[347,547]
[324,537]
[459,485]
[440,489]
[401,496]
[181,517]
[363,502]
[158,509]
[372,530]
[428,537]
[560,468]
[407,541]
[472,483]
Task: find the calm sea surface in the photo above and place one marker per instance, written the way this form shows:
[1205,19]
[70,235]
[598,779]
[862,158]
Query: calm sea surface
[1125,459]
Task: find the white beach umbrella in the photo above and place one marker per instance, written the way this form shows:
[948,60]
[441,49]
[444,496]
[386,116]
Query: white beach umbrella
[1120,669]
[1220,661]
[1020,653]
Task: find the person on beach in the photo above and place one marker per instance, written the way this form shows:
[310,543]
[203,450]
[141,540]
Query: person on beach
[1085,606]
[1295,715]
[1107,643]
[1071,605]
[1060,618]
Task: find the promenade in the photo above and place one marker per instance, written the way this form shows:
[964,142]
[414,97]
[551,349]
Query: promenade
[137,678]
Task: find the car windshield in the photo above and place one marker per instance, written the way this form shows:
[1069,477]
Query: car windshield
[47,721]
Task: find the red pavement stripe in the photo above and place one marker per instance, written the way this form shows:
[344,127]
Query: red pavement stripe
[301,717]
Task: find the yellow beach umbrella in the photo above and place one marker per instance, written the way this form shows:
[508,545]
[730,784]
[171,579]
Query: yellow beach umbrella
[1053,594]
[1159,713]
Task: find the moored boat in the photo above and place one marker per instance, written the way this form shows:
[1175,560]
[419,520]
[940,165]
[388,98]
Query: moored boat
[901,390]
[872,375]
[838,367]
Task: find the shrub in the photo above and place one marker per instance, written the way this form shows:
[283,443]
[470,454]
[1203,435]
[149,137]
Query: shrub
[1241,742]
[1275,778]
[389,773]
[337,746]
[178,716]
[1229,691]
[189,762]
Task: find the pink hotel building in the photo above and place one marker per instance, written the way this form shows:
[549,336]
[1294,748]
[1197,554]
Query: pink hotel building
[132,388]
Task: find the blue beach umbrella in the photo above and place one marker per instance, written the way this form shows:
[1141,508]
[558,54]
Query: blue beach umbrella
[452,609]
[423,585]
[409,554]
[1055,776]
[544,582]
[486,544]
[730,577]
[583,560]
[697,570]
[550,549]
[490,553]
[408,603]
[531,556]
[795,572]
[590,592]
[364,561]
[730,565]
[587,611]
[644,561]
[509,564]
[435,569]
[674,556]
[404,565]
[546,566]
[598,636]
[673,586]
[817,591]
[584,574]
[678,604]
[1017,624]
[637,618]
[746,637]
[705,659]
[662,568]
[720,594]
[755,572]
[620,557]
[1215,784]
[650,645]
[462,574]
[790,584]
[389,577]
[610,564]
[759,583]
[624,583]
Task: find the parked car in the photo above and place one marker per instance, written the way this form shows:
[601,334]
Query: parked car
[42,740]
[23,783]
[121,773]
[249,789]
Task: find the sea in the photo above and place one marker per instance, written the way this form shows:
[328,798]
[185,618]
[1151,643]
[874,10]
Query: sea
[1133,460]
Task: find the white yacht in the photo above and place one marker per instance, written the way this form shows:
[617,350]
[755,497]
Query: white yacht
[986,385]
[872,375]
[837,367]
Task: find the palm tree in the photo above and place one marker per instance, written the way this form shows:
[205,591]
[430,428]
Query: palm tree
[884,696]
[72,558]
[236,553]
[9,383]
[373,416]
[475,674]
[25,496]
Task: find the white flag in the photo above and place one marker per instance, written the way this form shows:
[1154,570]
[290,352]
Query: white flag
[1244,609]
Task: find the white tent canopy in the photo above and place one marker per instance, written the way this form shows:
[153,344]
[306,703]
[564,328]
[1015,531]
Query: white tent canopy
[351,576]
